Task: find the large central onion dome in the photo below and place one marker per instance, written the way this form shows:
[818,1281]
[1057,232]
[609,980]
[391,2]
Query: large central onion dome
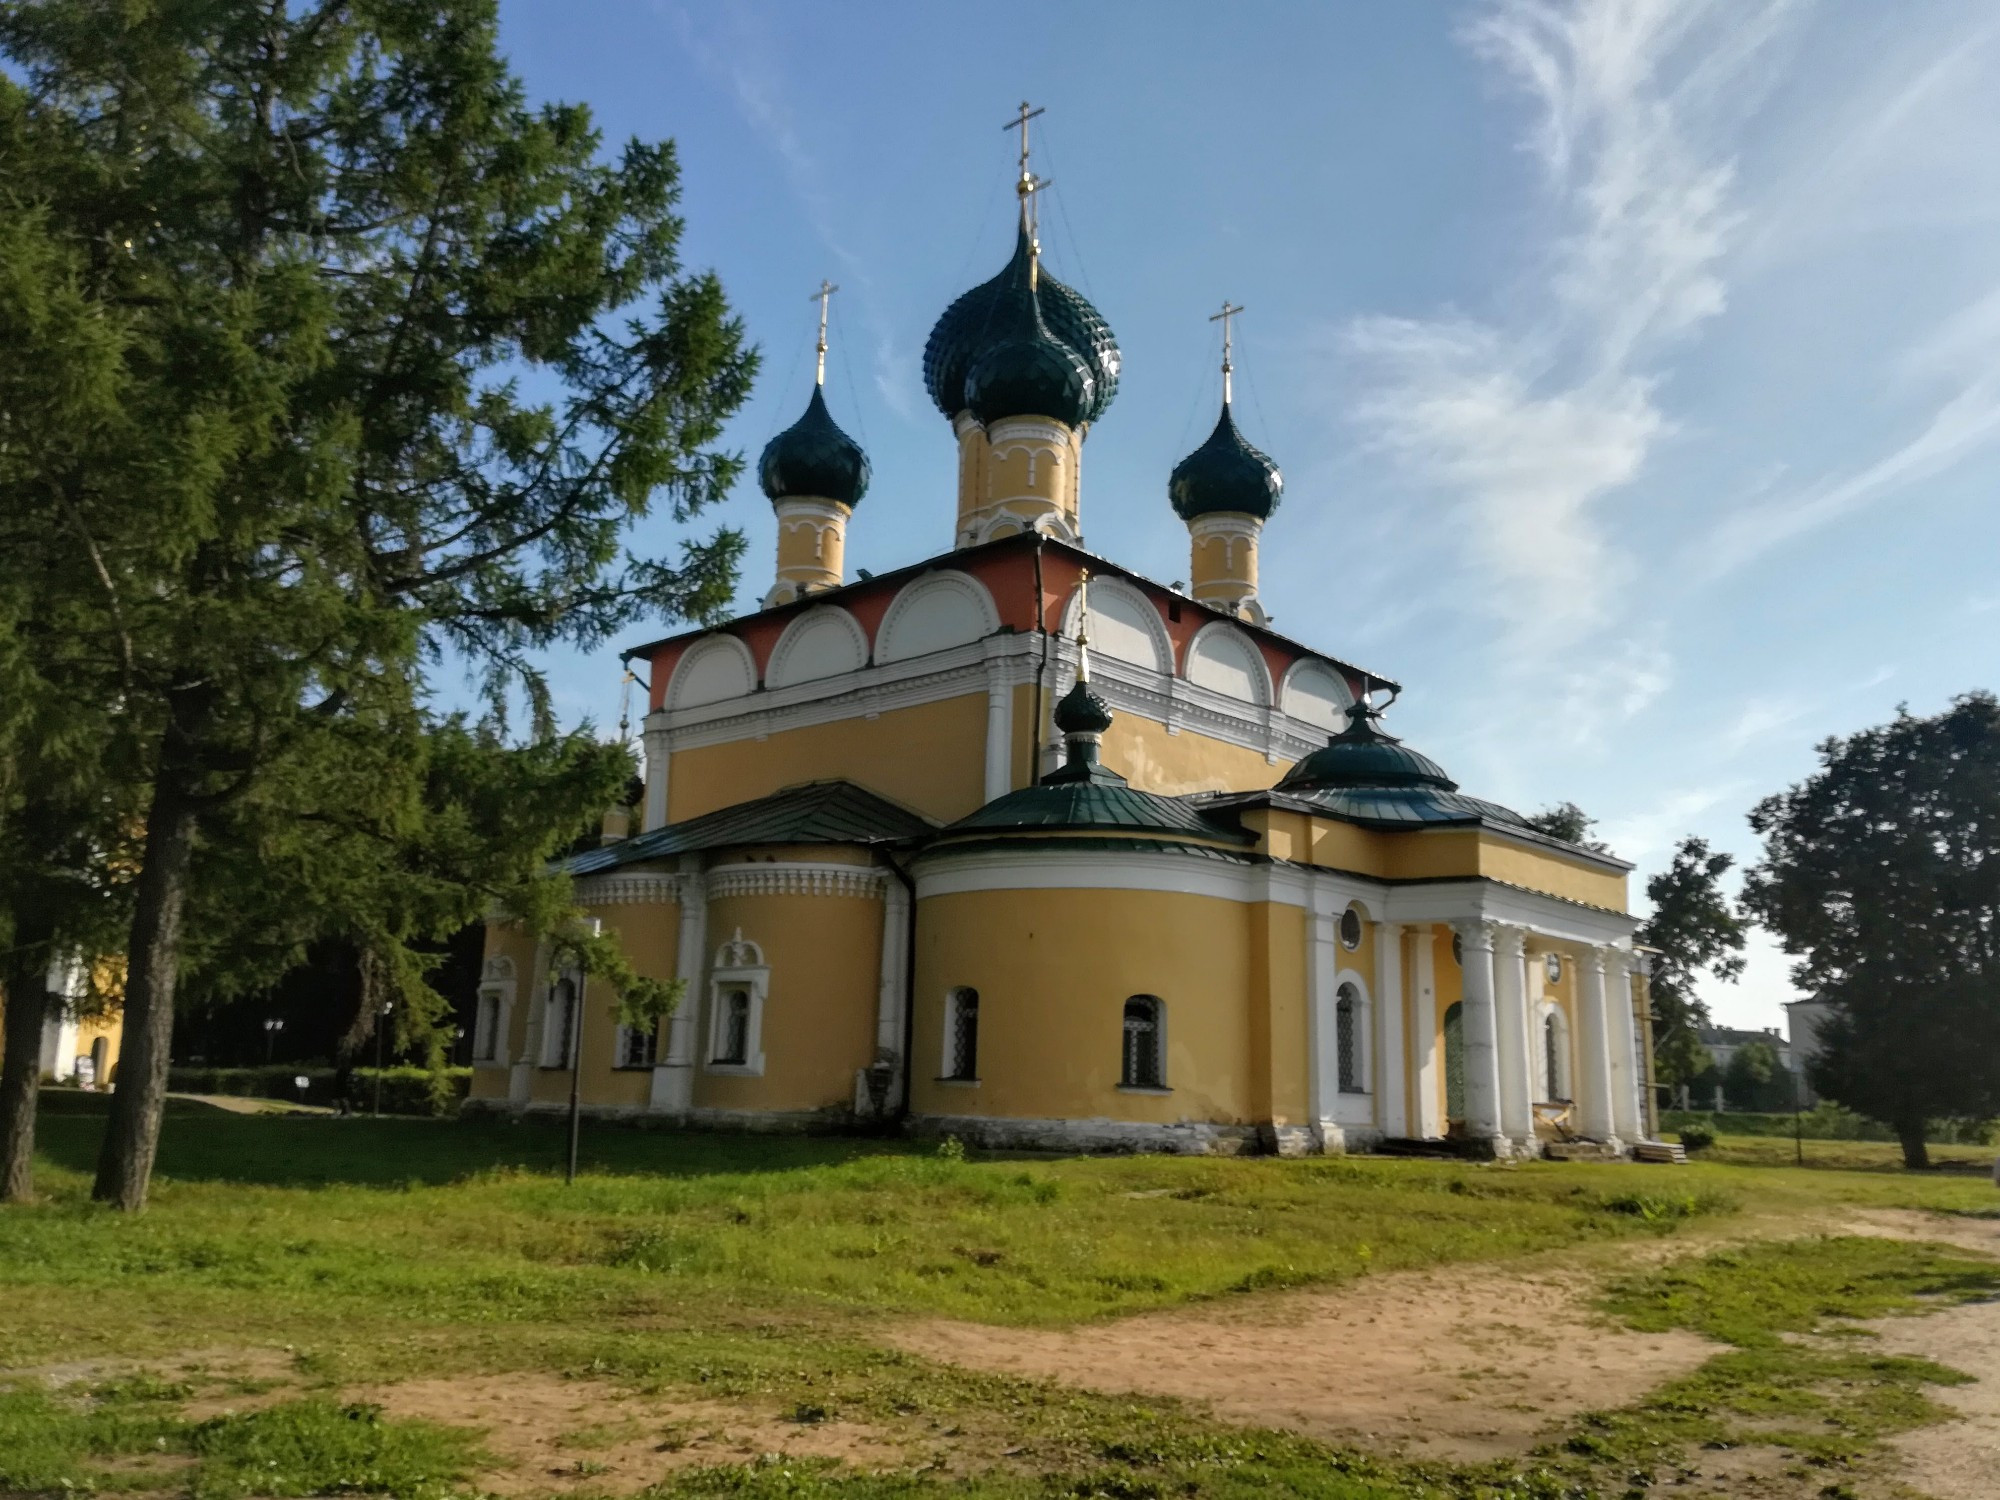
[1030,372]
[990,314]
[1225,474]
[814,458]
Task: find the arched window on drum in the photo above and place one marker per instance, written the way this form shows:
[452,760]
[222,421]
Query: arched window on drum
[1144,1065]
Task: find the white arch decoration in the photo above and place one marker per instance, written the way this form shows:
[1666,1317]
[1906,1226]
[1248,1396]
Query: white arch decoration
[1225,660]
[822,642]
[934,613]
[1123,624]
[739,952]
[1316,694]
[714,668]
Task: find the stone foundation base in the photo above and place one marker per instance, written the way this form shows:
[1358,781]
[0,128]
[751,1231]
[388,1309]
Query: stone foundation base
[1100,1136]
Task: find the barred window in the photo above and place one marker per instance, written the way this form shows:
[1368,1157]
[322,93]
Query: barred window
[558,1050]
[1347,1037]
[486,1027]
[733,1035]
[1143,1068]
[1554,1056]
[638,1046]
[962,1034]
[1350,929]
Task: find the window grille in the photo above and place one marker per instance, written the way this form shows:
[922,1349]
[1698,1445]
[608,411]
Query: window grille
[1142,1044]
[486,1027]
[964,1034]
[1350,929]
[1347,1038]
[734,1049]
[1552,1058]
[638,1046]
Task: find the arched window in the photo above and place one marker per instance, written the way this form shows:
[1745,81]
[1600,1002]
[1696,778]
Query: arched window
[559,1025]
[1350,929]
[1347,1032]
[486,1027]
[1555,1056]
[961,1035]
[1454,1061]
[638,1046]
[732,1027]
[1144,1021]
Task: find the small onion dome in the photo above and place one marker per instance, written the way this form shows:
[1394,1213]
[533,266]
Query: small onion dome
[1361,755]
[1082,711]
[1031,373]
[989,312]
[1225,474]
[814,457]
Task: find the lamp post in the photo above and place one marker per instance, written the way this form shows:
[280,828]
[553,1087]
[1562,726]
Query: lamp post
[591,927]
[381,1036]
[272,1027]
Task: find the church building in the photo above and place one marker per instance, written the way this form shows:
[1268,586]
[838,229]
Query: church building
[1017,845]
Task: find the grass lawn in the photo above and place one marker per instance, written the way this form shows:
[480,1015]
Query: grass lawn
[760,1269]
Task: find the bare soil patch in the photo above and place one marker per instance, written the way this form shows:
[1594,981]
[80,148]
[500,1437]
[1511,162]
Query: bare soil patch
[1467,1362]
[550,1434]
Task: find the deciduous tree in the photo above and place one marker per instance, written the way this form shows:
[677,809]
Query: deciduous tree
[1881,876]
[1694,930]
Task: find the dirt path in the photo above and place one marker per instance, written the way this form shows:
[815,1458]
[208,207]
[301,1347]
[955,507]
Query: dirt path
[1467,1362]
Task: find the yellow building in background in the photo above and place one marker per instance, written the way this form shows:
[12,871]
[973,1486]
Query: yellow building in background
[1018,845]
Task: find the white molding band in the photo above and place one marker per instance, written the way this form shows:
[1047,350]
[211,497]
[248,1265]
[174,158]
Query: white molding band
[795,879]
[629,888]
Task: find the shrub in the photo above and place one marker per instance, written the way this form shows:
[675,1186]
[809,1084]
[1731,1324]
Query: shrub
[405,1091]
[1697,1137]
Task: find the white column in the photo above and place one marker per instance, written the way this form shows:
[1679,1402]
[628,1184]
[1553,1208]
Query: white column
[1626,1081]
[1517,1079]
[999,730]
[1322,1035]
[1389,1079]
[893,998]
[1480,1032]
[1593,1052]
[1427,1113]
[521,1073]
[658,759]
[673,1078]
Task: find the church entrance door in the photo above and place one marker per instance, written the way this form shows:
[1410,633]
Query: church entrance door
[1454,1063]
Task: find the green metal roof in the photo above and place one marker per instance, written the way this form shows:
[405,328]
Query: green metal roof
[820,812]
[1095,845]
[1098,803]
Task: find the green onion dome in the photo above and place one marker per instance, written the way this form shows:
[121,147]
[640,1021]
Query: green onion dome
[1031,373]
[1082,711]
[813,457]
[987,314]
[1225,474]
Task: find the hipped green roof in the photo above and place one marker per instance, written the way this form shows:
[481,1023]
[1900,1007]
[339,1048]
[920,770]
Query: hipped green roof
[820,812]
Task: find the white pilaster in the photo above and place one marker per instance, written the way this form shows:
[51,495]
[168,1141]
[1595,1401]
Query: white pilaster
[1427,1115]
[999,730]
[673,1078]
[1481,1037]
[1322,1035]
[1391,1082]
[1626,1081]
[1517,1079]
[893,998]
[658,759]
[1593,1051]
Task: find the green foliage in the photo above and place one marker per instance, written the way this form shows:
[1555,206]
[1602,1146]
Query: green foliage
[1693,929]
[1696,1137]
[315,1446]
[1825,1121]
[405,1090]
[1881,876]
[1570,823]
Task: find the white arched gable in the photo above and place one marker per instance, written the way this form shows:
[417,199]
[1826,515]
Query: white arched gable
[936,612]
[821,642]
[1318,695]
[1225,660]
[713,669]
[1124,625]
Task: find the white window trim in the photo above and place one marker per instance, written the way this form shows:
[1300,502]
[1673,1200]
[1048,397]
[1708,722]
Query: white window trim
[553,1053]
[1364,1016]
[1551,1011]
[757,980]
[489,1036]
[947,1060]
[623,1035]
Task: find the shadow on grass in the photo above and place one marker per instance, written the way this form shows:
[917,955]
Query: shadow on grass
[199,1144]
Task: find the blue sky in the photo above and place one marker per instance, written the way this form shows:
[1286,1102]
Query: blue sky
[1634,367]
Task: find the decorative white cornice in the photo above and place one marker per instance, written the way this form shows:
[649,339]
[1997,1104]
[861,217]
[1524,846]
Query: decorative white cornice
[794,879]
[629,888]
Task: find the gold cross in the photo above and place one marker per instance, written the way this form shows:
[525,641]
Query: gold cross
[1020,123]
[822,296]
[1229,310]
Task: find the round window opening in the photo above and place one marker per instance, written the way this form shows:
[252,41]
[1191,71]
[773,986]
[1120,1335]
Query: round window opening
[1350,929]
[1554,964]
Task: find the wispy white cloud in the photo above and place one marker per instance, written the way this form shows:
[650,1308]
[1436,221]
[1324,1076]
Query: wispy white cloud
[1521,427]
[1758,718]
[1644,836]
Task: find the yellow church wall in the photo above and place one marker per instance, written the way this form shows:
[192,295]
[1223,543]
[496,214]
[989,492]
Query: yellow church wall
[1155,761]
[512,942]
[825,958]
[1055,1050]
[1278,1009]
[929,756]
[1550,873]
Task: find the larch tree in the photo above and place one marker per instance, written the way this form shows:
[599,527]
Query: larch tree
[1881,876]
[420,353]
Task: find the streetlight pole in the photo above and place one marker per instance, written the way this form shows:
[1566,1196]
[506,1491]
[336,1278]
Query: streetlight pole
[592,927]
[271,1029]
[381,1036]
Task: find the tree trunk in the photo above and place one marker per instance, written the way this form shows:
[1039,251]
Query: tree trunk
[1916,1155]
[25,975]
[152,964]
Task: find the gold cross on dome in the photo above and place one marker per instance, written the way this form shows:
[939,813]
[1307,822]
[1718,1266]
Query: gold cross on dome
[822,297]
[1229,310]
[1020,123]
